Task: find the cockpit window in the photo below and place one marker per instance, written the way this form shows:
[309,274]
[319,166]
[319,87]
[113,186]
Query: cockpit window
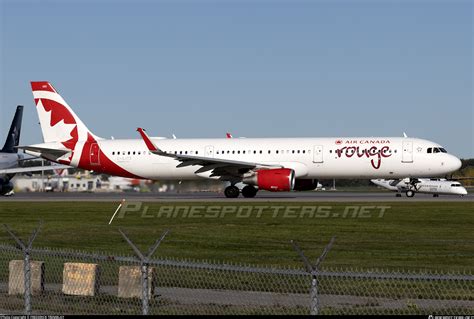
[456,185]
[430,150]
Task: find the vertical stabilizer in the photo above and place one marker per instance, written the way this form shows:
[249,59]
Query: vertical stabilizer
[13,138]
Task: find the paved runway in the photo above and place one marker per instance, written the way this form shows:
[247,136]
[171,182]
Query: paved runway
[319,196]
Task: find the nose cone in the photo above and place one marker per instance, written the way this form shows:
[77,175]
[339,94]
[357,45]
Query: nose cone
[463,191]
[456,163]
[451,163]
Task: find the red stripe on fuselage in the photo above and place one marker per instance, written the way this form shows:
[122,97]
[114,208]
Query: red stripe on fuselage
[106,166]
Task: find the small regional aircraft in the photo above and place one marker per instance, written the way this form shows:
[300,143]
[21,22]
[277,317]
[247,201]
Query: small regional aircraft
[9,157]
[410,186]
[272,164]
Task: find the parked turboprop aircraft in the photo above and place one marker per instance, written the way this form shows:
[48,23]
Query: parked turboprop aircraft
[273,164]
[435,186]
[9,157]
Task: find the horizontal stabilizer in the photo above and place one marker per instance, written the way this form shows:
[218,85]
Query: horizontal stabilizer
[52,152]
[32,169]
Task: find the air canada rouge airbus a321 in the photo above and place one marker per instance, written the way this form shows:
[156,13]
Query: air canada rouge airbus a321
[272,164]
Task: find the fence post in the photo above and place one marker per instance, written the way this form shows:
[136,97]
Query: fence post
[314,296]
[313,270]
[26,249]
[144,267]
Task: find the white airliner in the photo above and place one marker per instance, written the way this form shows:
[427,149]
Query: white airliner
[273,164]
[435,186]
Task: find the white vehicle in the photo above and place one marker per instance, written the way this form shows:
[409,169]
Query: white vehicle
[273,164]
[411,186]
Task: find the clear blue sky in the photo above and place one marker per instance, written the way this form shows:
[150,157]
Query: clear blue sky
[253,68]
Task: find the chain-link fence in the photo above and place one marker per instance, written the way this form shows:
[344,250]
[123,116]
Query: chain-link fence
[72,282]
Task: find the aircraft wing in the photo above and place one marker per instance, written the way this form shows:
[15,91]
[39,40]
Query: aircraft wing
[220,167]
[32,169]
[459,178]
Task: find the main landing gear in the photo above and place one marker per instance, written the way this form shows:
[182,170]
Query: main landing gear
[410,193]
[233,191]
[249,191]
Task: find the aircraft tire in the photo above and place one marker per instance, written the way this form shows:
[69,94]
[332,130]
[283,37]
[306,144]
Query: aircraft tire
[249,191]
[232,192]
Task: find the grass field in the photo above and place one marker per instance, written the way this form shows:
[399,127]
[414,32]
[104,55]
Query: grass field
[436,236]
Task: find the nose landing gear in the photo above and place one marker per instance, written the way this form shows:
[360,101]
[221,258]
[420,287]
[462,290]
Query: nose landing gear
[410,193]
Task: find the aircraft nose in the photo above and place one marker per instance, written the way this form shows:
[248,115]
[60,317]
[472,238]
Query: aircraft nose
[456,163]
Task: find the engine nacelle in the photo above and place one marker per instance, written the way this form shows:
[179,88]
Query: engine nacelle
[305,184]
[274,180]
[6,188]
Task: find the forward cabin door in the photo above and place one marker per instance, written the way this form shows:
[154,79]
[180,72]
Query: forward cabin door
[407,152]
[318,154]
[94,154]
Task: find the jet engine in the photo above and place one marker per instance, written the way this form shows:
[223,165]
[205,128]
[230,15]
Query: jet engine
[274,180]
[5,188]
[305,184]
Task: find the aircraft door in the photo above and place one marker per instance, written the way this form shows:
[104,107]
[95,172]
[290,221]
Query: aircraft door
[209,152]
[318,154]
[95,154]
[407,152]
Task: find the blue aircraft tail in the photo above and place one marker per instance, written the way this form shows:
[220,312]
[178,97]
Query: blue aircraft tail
[13,138]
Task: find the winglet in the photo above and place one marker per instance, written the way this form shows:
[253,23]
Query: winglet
[151,146]
[228,135]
